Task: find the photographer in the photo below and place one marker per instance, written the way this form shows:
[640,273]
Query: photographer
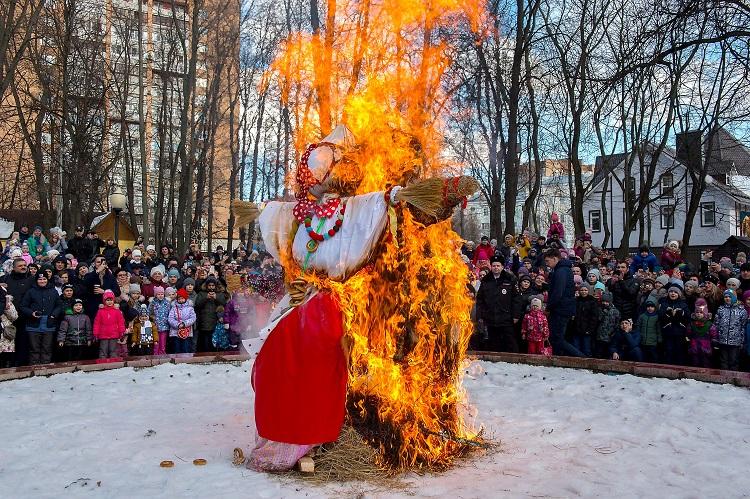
[96,283]
[624,290]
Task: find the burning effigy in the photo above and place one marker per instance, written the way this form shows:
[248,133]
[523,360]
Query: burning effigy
[375,325]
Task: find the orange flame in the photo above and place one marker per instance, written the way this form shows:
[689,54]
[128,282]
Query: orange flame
[383,73]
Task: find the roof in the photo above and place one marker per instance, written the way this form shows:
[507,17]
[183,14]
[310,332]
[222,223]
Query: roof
[732,191]
[605,164]
[728,153]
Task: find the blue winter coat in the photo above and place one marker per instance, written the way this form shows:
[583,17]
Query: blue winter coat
[626,345]
[647,263]
[561,300]
[159,310]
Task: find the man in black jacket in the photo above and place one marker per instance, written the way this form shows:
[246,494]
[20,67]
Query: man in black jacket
[79,247]
[561,302]
[17,283]
[498,307]
[624,290]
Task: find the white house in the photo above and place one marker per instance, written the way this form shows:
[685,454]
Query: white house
[722,206]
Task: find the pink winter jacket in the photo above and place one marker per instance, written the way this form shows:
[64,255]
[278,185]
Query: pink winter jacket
[109,324]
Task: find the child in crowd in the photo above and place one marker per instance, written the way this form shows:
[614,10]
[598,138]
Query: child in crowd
[109,327]
[609,317]
[75,334]
[159,310]
[535,328]
[189,285]
[675,317]
[650,330]
[181,320]
[587,320]
[731,320]
[171,294]
[220,337]
[143,336]
[66,297]
[626,342]
[701,333]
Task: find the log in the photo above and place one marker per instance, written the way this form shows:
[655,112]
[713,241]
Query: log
[306,465]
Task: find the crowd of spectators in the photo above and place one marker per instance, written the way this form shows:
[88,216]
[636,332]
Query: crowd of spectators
[78,298]
[535,295]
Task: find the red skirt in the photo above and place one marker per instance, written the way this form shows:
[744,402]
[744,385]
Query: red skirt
[300,374]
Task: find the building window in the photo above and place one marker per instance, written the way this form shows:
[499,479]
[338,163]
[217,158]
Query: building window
[631,189]
[666,185]
[485,226]
[595,220]
[667,217]
[708,214]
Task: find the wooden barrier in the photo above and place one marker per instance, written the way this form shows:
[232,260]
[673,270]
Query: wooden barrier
[107,364]
[644,369]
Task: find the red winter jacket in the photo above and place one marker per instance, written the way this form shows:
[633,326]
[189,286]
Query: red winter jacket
[535,326]
[109,324]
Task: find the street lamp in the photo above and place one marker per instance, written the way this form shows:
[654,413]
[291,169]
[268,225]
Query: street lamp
[117,203]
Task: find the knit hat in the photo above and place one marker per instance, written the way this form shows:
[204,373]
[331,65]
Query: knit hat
[134,288]
[741,254]
[173,273]
[158,289]
[108,294]
[170,290]
[182,293]
[712,278]
[159,268]
[701,305]
[733,282]
[746,295]
[16,253]
[663,279]
[648,280]
[77,301]
[577,280]
[596,273]
[52,254]
[143,310]
[150,247]
[731,294]
[650,302]
[607,296]
[555,217]
[600,285]
[673,245]
[39,275]
[745,266]
[188,281]
[136,253]
[68,286]
[536,302]
[691,285]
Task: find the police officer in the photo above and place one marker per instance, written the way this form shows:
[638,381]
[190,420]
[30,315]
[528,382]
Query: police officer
[498,306]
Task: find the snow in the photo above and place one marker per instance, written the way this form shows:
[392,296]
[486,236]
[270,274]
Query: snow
[562,433]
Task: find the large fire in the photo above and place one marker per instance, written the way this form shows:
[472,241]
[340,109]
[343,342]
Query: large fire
[380,67]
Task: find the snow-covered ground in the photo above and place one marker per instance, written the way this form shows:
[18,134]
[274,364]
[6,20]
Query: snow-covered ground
[563,433]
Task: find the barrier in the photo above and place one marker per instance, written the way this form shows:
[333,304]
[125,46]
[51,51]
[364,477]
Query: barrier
[643,369]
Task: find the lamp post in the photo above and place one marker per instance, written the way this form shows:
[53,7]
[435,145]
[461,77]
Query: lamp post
[117,203]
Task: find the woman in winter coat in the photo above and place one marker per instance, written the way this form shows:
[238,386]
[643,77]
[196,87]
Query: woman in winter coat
[109,326]
[730,325]
[181,320]
[674,316]
[42,308]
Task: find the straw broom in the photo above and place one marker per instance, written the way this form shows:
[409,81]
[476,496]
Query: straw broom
[245,212]
[430,196]
[433,195]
